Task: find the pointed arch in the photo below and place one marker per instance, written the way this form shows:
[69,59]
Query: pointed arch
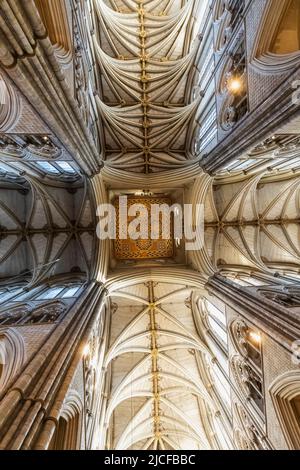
[285,394]
[12,355]
[275,50]
[68,433]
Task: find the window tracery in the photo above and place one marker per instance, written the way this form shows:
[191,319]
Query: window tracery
[247,435]
[246,363]
[30,315]
[287,296]
[233,86]
[227,14]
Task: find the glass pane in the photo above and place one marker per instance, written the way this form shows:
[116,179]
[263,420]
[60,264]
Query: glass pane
[222,385]
[47,167]
[216,313]
[25,295]
[6,295]
[244,164]
[217,330]
[66,167]
[219,354]
[71,292]
[50,294]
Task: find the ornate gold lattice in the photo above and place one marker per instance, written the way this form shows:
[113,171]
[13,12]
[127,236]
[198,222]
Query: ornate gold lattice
[144,248]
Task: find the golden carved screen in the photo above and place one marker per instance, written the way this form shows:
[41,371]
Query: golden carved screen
[144,248]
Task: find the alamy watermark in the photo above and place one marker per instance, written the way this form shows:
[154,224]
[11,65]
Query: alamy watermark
[160,222]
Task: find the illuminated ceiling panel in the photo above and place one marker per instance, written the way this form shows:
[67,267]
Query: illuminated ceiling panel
[143,248]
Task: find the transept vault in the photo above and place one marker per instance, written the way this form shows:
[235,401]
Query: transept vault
[117,344]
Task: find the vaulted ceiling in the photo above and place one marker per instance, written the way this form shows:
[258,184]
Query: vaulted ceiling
[46,229]
[145,51]
[158,362]
[254,222]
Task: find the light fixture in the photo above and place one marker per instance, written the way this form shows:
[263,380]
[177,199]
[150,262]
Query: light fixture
[256,337]
[235,84]
[86,350]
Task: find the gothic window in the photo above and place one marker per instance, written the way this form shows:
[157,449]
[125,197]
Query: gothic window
[59,292]
[214,322]
[292,276]
[220,8]
[51,293]
[222,385]
[25,295]
[7,294]
[7,171]
[239,165]
[227,15]
[66,167]
[206,65]
[56,168]
[29,315]
[253,347]
[219,354]
[247,435]
[233,87]
[206,130]
[18,295]
[246,366]
[217,323]
[244,280]
[70,292]
[47,167]
[222,433]
[236,8]
[278,152]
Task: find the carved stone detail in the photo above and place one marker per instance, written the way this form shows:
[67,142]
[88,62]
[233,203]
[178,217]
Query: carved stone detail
[28,315]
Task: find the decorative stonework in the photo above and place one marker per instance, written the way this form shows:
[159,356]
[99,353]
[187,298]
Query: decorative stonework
[233,104]
[241,373]
[288,297]
[238,331]
[28,315]
[247,435]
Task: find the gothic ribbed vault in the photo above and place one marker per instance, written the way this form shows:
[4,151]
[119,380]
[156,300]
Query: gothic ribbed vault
[46,229]
[145,52]
[185,101]
[157,360]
